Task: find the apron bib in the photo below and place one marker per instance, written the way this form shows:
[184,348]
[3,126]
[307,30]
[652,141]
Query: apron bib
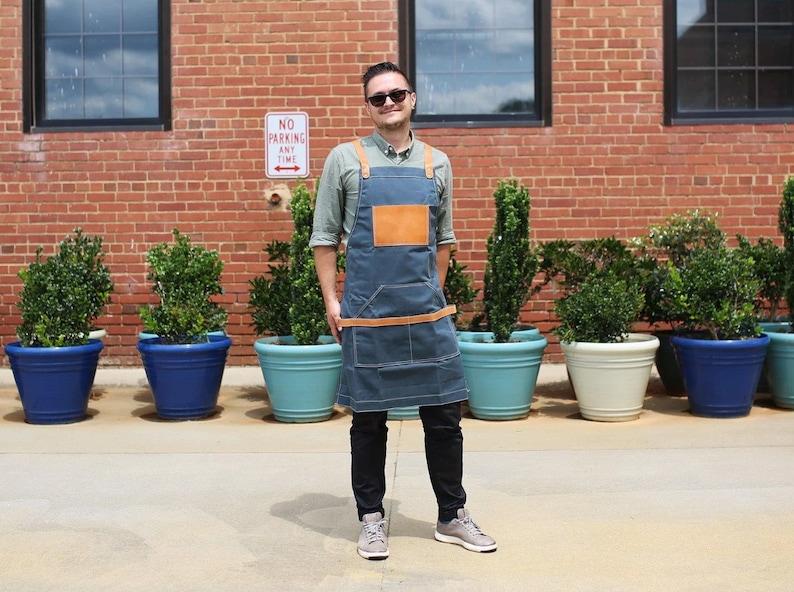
[399,346]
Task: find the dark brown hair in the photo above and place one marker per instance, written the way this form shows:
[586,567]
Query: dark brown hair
[382,68]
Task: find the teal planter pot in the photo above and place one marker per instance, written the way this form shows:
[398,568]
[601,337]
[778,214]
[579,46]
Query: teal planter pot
[501,376]
[404,413]
[185,379]
[721,376]
[769,327]
[54,383]
[301,380]
[779,367]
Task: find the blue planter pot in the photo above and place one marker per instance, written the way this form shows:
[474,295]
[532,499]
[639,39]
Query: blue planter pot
[54,383]
[185,378]
[721,377]
[779,367]
[301,380]
[501,376]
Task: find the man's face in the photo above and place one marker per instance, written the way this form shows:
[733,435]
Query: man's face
[391,115]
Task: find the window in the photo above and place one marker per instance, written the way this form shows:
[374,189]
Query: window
[477,63]
[728,61]
[96,65]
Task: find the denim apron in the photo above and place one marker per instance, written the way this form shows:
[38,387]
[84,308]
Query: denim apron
[399,346]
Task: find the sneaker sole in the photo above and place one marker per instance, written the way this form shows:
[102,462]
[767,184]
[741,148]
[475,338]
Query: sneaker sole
[373,556]
[445,538]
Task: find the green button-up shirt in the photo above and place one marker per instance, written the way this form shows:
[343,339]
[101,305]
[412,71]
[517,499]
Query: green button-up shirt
[337,196]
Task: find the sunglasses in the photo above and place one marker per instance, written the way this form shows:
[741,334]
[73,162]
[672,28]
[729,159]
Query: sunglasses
[397,96]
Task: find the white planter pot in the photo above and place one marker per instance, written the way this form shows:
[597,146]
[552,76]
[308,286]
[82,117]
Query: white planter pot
[610,380]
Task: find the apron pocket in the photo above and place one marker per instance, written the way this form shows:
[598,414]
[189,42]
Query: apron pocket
[404,344]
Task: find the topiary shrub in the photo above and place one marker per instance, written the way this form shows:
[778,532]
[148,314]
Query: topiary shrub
[602,309]
[511,262]
[786,226]
[672,241]
[770,265]
[185,278]
[288,300]
[713,290]
[459,286]
[64,294]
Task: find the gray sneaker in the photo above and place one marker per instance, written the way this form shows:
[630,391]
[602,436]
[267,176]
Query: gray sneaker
[372,540]
[463,531]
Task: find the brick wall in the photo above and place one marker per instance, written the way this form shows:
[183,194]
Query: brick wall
[606,166]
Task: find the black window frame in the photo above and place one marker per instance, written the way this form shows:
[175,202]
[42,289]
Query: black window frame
[674,116]
[33,94]
[542,115]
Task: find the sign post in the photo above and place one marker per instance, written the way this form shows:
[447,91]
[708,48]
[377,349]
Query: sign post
[287,145]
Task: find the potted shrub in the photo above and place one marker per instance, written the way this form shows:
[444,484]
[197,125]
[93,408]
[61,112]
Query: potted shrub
[300,363]
[501,365]
[609,365]
[184,362]
[54,362]
[779,362]
[722,351]
[671,242]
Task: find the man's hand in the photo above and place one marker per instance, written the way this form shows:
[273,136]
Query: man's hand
[325,262]
[333,314]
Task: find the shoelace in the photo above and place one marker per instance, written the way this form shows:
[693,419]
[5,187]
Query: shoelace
[470,526]
[375,531]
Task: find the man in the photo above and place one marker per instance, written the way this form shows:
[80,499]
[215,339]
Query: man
[389,197]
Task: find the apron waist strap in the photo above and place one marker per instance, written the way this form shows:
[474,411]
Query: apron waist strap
[392,321]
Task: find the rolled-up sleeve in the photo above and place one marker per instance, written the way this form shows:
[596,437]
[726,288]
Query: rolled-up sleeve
[329,208]
[444,230]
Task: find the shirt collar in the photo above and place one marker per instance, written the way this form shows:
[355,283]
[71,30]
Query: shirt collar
[388,149]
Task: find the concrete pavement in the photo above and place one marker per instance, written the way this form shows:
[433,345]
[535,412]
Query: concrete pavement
[125,502]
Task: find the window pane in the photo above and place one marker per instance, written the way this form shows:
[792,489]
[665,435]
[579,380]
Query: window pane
[775,89]
[140,97]
[434,50]
[474,51]
[140,16]
[775,46]
[514,50]
[140,55]
[102,16]
[475,93]
[102,55]
[61,17]
[696,47]
[737,89]
[473,14]
[514,94]
[514,14]
[774,11]
[103,99]
[735,11]
[696,91]
[434,94]
[693,12]
[434,14]
[64,99]
[736,46]
[63,56]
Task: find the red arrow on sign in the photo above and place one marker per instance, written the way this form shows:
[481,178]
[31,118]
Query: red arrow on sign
[292,168]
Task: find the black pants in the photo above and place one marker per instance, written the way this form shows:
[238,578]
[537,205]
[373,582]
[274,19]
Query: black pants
[443,451]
